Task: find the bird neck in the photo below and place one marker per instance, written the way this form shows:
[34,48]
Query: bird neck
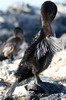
[46,28]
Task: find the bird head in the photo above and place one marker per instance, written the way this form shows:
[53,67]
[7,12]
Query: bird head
[48,11]
[18,32]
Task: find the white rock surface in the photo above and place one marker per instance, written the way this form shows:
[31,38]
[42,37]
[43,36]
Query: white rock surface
[20,90]
[2,20]
[57,68]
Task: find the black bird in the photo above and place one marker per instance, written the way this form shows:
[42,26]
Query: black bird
[12,45]
[39,55]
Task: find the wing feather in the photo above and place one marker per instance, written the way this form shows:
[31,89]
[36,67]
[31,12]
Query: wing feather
[48,44]
[54,43]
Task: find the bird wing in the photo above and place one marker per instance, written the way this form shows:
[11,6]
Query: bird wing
[48,44]
[8,49]
[54,43]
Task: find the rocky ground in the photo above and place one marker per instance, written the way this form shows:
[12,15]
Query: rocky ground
[54,77]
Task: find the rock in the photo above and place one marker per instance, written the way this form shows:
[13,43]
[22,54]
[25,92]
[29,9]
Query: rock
[60,6]
[55,90]
[63,39]
[19,8]
[2,19]
[20,91]
[59,21]
[34,92]
[57,68]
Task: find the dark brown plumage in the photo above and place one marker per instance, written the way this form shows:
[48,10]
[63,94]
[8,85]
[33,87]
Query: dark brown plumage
[12,45]
[39,55]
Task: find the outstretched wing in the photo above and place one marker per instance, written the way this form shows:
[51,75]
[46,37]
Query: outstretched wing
[48,44]
[54,44]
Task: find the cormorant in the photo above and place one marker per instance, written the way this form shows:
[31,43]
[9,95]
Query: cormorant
[39,54]
[12,45]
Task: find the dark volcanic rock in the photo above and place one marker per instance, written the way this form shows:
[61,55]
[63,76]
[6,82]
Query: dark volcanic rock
[54,92]
[34,92]
[59,25]
[51,88]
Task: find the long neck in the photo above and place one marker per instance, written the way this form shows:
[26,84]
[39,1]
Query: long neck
[46,27]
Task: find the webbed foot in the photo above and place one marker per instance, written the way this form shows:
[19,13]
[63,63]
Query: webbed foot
[41,84]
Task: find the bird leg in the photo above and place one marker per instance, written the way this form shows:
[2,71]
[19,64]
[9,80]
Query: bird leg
[41,84]
[11,89]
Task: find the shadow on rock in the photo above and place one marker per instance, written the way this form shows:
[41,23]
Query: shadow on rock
[35,92]
[2,83]
[51,87]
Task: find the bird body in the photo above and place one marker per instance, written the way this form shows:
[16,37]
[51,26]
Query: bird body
[39,54]
[10,47]
[37,57]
